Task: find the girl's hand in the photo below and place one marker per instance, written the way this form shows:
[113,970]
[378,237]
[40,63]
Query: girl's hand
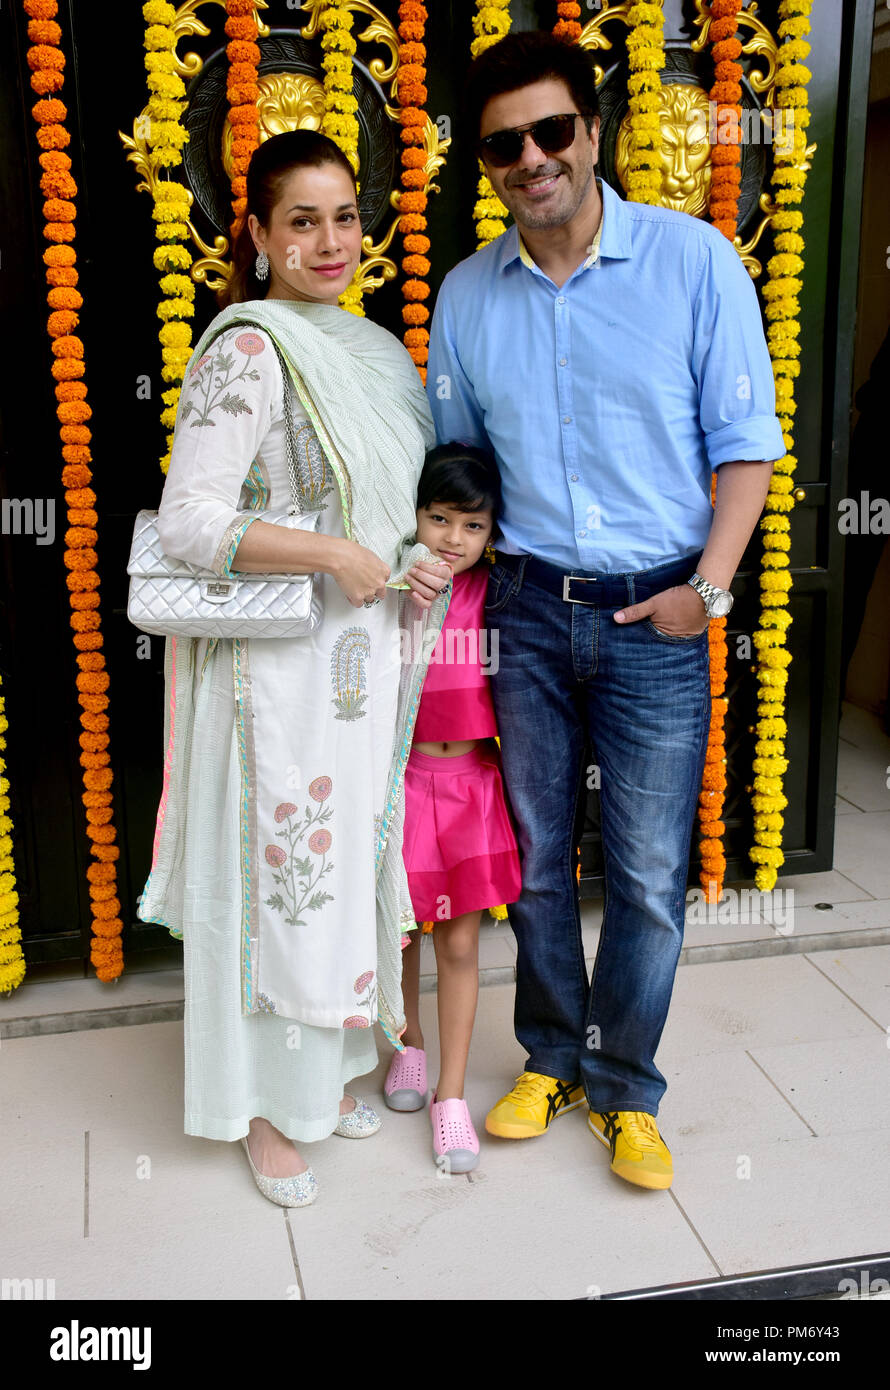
[427,579]
[361,574]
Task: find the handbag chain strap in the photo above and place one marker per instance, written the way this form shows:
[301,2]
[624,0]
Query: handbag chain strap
[289,442]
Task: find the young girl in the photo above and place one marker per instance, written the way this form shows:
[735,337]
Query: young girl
[459,848]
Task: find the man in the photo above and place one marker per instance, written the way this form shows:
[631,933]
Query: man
[612,355]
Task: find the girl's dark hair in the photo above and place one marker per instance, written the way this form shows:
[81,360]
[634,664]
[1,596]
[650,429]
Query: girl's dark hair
[271,163]
[520,59]
[460,476]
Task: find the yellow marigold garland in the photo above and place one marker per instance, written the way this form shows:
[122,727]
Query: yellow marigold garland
[645,56]
[782,312]
[412,93]
[12,961]
[172,204]
[47,62]
[339,121]
[490,23]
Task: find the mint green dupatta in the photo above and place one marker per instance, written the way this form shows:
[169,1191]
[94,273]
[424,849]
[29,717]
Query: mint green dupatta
[369,410]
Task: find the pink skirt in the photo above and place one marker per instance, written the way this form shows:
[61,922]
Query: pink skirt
[459,847]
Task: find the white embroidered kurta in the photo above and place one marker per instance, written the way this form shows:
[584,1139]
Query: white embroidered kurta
[291,748]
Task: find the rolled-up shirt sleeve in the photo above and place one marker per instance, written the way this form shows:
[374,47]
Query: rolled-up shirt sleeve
[226,409]
[731,363]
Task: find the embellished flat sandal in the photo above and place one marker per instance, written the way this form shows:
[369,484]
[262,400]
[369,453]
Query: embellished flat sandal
[298,1191]
[358,1123]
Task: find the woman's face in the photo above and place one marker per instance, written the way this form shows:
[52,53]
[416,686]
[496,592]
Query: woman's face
[314,237]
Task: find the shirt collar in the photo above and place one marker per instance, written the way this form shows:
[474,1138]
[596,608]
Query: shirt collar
[612,239]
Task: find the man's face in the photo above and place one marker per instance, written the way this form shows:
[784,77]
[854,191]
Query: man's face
[541,190]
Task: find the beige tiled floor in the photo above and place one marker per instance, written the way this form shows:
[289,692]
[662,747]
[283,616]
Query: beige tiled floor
[777,1072]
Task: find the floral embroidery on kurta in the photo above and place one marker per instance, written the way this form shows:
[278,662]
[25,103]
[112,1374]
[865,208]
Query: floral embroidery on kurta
[315,478]
[348,659]
[296,875]
[215,375]
[365,986]
[348,672]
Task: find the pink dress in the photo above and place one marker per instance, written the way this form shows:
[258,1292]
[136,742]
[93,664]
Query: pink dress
[459,847]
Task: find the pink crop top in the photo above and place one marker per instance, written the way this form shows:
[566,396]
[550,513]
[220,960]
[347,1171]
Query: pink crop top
[456,701]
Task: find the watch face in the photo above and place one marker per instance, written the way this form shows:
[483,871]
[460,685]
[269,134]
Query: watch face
[720,605]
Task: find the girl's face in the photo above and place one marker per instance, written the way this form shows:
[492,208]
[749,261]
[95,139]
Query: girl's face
[454,536]
[314,237]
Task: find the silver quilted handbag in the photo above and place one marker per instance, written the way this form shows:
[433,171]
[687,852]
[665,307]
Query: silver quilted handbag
[173,598]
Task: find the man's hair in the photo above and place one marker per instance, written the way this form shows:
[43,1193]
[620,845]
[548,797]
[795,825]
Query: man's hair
[522,58]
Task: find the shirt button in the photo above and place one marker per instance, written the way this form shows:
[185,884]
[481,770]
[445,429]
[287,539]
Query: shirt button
[582,533]
[561,299]
[574,477]
[567,419]
[562,361]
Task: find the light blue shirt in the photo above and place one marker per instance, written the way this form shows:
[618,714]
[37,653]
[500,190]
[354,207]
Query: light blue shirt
[609,401]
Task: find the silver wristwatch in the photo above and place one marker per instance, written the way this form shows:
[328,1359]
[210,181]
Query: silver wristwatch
[717,601]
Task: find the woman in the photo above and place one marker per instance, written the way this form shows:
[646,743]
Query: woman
[277,854]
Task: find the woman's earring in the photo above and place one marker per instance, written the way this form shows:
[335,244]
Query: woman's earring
[262,266]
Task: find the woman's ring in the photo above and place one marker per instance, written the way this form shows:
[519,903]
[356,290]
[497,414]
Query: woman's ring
[369,602]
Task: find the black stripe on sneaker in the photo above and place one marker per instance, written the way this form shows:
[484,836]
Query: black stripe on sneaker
[611,1128]
[558,1101]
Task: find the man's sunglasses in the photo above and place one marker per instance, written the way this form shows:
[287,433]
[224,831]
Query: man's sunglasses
[552,134]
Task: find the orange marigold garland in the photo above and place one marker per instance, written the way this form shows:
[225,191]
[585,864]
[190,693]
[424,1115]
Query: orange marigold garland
[412,94]
[490,23]
[242,91]
[723,209]
[713,788]
[12,961]
[47,63]
[726,96]
[567,25]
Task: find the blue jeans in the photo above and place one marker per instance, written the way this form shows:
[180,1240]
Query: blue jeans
[567,672]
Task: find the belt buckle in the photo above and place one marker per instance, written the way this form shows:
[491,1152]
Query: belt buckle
[575,579]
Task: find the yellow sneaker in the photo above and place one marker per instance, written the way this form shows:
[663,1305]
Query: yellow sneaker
[534,1101]
[639,1154]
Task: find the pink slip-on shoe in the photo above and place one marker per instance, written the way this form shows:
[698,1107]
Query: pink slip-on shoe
[405,1086]
[455,1145]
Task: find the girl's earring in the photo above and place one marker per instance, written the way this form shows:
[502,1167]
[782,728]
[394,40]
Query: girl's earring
[262,266]
[488,553]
